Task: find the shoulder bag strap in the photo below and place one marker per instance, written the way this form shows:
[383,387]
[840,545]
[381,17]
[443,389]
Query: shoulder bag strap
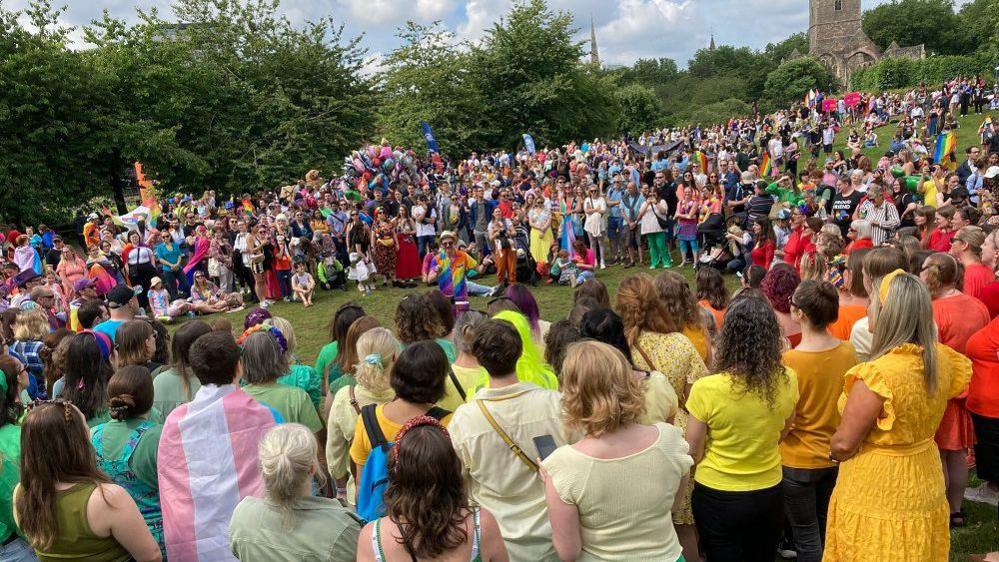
[652,366]
[506,438]
[457,384]
[353,400]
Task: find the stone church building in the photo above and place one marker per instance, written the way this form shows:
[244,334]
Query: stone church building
[835,37]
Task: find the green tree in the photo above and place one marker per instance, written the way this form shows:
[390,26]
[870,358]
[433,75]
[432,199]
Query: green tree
[640,108]
[789,83]
[979,20]
[53,133]
[650,72]
[778,52]
[917,22]
[428,77]
[528,70]
[720,112]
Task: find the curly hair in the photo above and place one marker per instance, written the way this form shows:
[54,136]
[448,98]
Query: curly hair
[641,309]
[779,285]
[678,300]
[417,319]
[600,393]
[749,347]
[711,287]
[428,506]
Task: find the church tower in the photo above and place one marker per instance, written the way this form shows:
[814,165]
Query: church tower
[831,23]
[594,53]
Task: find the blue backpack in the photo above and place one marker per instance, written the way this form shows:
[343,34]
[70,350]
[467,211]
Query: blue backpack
[375,477]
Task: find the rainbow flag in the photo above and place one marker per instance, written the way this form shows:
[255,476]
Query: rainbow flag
[946,148]
[766,166]
[147,195]
[810,98]
[702,161]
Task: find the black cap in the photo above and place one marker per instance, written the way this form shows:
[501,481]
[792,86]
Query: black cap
[119,296]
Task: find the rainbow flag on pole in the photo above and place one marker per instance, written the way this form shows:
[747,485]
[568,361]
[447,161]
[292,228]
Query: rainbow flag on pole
[810,98]
[946,148]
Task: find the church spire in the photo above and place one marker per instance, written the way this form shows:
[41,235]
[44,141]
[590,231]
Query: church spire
[711,46]
[594,53]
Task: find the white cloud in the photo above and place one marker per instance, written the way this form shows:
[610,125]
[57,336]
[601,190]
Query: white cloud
[381,12]
[479,16]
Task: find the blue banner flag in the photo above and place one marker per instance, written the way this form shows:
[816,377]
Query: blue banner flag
[529,143]
[429,135]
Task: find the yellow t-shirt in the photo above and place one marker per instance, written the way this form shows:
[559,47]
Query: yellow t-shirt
[469,378]
[361,447]
[699,338]
[930,193]
[820,382]
[741,452]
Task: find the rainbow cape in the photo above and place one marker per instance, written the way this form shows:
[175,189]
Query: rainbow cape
[946,148]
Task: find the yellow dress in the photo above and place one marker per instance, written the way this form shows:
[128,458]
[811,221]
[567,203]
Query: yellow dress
[674,356]
[889,501]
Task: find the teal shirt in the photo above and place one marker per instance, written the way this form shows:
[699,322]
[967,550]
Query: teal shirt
[10,475]
[143,460]
[327,356]
[306,378]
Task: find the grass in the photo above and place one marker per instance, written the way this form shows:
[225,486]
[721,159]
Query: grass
[312,332]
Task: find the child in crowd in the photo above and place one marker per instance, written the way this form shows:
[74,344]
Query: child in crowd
[360,270]
[162,307]
[564,271]
[303,285]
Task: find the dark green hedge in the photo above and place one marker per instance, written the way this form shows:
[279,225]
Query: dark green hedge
[903,73]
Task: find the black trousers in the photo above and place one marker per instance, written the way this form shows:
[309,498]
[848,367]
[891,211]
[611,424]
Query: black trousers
[806,497]
[743,526]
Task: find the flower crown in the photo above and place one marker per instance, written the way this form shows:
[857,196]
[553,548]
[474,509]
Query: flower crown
[265,327]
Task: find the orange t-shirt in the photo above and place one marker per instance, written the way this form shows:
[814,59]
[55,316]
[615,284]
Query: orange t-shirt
[983,350]
[957,318]
[718,314]
[848,316]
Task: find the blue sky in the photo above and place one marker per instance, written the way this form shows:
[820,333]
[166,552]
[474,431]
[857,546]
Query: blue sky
[626,29]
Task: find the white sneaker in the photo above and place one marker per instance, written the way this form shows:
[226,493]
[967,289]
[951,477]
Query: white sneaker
[982,494]
[603,265]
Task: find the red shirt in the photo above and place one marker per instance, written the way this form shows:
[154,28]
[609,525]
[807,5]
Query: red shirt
[763,255]
[957,318]
[976,277]
[940,241]
[990,296]
[859,245]
[983,350]
[795,246]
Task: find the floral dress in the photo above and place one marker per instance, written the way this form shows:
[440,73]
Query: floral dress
[384,250]
[674,356]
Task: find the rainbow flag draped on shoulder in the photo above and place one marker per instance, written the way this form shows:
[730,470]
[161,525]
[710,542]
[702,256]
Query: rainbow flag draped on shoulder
[810,98]
[702,160]
[767,167]
[946,149]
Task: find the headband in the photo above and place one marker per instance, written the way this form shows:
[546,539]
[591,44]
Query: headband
[265,327]
[886,283]
[103,342]
[416,422]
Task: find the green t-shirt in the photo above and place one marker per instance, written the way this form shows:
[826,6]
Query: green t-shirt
[143,459]
[10,459]
[327,356]
[168,391]
[291,402]
[342,382]
[306,378]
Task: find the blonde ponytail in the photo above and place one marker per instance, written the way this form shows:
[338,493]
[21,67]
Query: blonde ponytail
[288,455]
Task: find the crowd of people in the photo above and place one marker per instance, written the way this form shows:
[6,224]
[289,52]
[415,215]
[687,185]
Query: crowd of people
[830,407]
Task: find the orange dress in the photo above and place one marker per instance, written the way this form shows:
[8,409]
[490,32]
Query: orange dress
[958,317]
[848,316]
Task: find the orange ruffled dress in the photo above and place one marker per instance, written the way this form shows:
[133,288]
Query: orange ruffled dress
[957,317]
[889,501]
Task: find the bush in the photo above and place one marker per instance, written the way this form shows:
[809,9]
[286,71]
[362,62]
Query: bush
[904,73]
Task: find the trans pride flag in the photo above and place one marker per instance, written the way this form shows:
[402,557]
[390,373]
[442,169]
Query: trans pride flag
[207,464]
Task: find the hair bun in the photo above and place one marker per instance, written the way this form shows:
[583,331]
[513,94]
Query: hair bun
[121,406]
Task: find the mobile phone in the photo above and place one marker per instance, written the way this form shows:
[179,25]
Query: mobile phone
[545,445]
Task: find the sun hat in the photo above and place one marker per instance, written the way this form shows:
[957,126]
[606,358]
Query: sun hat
[448,234]
[154,282]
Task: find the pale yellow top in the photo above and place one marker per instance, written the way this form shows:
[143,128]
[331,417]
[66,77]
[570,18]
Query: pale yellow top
[496,478]
[660,399]
[341,423]
[624,503]
[862,338]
